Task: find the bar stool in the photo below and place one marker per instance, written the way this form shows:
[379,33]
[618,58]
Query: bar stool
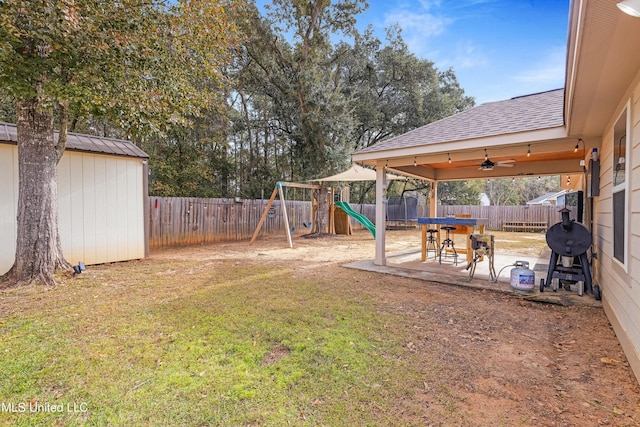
[448,243]
[431,242]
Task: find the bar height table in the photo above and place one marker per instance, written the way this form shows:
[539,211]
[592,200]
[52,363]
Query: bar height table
[468,222]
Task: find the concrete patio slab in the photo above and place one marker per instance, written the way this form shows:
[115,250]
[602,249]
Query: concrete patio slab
[407,263]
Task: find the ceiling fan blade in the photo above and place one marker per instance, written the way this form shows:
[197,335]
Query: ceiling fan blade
[507,161]
[505,165]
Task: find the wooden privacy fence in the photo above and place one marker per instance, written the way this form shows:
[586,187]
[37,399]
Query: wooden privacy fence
[498,215]
[185,221]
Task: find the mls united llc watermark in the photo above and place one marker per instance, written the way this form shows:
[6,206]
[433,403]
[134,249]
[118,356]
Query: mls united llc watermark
[22,407]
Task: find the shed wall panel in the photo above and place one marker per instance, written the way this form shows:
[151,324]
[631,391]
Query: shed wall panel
[8,205]
[90,242]
[74,249]
[111,206]
[101,219]
[64,199]
[100,209]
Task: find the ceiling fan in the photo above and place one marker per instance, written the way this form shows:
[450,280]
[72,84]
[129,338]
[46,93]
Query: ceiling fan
[488,165]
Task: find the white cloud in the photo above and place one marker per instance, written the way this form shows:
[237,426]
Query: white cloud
[468,55]
[428,4]
[418,30]
[414,24]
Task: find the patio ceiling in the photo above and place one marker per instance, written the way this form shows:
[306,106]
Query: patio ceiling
[551,157]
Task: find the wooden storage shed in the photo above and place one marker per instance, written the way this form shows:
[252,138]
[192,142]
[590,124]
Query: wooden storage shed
[102,194]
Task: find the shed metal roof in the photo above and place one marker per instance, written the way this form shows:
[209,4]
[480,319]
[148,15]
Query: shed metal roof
[80,142]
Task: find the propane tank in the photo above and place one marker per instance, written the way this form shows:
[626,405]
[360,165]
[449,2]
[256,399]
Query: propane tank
[522,277]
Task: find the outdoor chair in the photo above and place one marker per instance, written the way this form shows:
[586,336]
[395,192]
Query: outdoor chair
[432,242]
[447,244]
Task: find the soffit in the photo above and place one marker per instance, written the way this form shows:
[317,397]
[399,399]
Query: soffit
[602,61]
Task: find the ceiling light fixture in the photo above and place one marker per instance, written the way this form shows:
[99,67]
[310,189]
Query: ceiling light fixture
[449,155]
[415,162]
[486,156]
[630,7]
[529,150]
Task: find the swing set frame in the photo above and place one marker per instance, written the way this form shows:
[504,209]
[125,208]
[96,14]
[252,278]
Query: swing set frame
[278,191]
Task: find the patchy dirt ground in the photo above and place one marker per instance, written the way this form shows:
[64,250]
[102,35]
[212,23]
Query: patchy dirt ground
[508,361]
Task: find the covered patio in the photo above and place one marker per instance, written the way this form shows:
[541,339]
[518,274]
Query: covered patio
[408,263]
[519,137]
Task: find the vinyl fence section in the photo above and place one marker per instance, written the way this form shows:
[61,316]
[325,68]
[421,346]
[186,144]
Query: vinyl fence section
[185,221]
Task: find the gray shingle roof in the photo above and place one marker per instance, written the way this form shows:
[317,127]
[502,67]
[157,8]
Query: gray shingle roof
[520,114]
[80,142]
[542,198]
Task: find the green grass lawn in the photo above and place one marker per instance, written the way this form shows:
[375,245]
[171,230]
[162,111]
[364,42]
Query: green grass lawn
[192,344]
[233,335]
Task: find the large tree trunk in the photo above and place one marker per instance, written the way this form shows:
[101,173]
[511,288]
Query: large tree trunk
[38,247]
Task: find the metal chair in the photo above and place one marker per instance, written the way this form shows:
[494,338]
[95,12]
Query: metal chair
[432,242]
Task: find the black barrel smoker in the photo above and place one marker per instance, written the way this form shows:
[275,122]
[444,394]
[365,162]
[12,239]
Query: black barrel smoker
[569,242]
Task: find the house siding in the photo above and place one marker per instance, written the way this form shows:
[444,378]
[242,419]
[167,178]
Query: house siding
[101,207]
[620,284]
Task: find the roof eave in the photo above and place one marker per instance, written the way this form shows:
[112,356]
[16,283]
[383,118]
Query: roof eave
[602,64]
[394,156]
[83,143]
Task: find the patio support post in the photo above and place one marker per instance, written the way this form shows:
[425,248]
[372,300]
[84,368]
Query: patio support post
[381,217]
[433,200]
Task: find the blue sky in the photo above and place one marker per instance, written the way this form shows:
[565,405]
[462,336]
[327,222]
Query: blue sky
[498,48]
